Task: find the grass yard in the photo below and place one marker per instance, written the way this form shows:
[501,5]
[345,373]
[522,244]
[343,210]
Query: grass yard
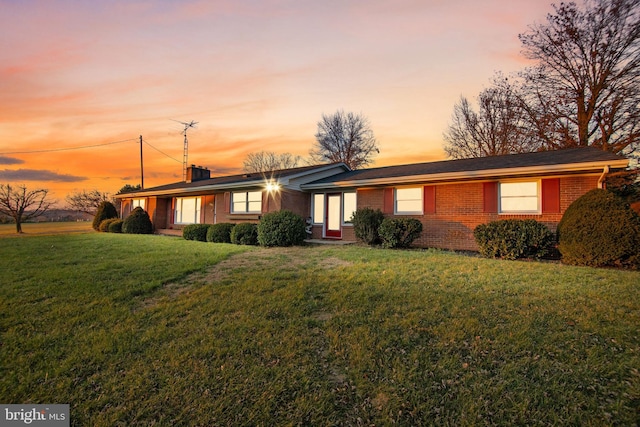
[150,330]
[40,228]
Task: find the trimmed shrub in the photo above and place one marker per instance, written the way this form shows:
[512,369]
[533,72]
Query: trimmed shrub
[115,226]
[399,232]
[106,210]
[245,233]
[513,239]
[282,228]
[599,229]
[220,233]
[104,225]
[196,232]
[366,223]
[138,222]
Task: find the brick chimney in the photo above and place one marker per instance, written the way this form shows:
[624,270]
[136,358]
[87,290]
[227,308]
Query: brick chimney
[197,173]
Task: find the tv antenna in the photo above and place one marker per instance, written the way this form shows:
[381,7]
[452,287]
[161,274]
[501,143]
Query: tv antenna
[185,154]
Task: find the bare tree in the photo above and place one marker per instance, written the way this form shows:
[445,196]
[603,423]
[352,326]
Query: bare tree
[22,204]
[86,201]
[264,161]
[345,137]
[498,127]
[585,87]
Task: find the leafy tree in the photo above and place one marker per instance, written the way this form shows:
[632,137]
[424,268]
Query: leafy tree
[22,204]
[345,137]
[265,161]
[86,201]
[128,188]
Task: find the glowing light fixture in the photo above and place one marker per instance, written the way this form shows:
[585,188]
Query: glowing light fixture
[272,187]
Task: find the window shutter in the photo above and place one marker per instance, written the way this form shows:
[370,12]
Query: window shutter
[227,202]
[551,195]
[430,199]
[265,202]
[490,197]
[387,206]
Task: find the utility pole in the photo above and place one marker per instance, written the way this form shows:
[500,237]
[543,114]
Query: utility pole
[141,167]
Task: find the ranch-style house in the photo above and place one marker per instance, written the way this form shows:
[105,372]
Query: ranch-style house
[449,197]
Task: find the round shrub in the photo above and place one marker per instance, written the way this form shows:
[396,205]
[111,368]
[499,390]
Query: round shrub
[220,233]
[599,229]
[366,223]
[104,225]
[138,222]
[244,233]
[196,232]
[282,228]
[513,239]
[399,232]
[106,210]
[115,226]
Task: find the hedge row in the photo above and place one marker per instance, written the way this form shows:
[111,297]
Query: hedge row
[371,227]
[282,228]
[138,221]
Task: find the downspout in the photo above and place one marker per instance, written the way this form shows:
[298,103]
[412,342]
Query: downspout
[605,171]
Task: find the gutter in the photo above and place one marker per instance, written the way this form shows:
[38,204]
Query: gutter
[605,171]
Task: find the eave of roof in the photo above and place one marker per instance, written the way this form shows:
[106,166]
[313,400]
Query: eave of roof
[232,182]
[582,160]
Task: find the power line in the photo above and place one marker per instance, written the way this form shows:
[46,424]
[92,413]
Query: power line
[161,152]
[51,150]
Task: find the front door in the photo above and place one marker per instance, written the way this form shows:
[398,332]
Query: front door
[333,223]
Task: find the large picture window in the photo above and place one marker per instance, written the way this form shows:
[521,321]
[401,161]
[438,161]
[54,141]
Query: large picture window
[519,197]
[408,201]
[188,210]
[246,202]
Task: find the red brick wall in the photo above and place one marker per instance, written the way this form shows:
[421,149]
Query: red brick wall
[459,209]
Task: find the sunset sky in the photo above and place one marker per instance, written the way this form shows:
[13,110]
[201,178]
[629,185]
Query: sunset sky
[255,75]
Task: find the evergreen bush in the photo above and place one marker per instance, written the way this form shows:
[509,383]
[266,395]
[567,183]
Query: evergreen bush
[106,210]
[399,232]
[104,225]
[196,232]
[115,226]
[599,229]
[513,239]
[244,233]
[366,223]
[281,228]
[220,233]
[138,222]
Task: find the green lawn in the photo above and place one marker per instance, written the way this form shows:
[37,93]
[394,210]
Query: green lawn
[151,330]
[40,228]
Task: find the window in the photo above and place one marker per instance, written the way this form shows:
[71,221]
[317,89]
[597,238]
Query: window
[135,203]
[408,201]
[246,202]
[519,197]
[187,210]
[349,206]
[318,209]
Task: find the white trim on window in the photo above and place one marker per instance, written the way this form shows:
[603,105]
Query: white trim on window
[408,201]
[187,210]
[519,197]
[317,210]
[349,206]
[138,203]
[246,202]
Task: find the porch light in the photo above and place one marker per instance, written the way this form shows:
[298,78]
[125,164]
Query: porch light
[272,187]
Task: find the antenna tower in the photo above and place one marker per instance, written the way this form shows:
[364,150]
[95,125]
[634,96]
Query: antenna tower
[185,154]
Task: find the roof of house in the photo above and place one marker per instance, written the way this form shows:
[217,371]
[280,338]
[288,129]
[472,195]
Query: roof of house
[244,180]
[569,160]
